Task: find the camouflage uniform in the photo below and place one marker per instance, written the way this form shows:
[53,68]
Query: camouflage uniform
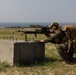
[60,39]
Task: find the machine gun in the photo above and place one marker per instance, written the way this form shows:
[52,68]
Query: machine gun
[43,30]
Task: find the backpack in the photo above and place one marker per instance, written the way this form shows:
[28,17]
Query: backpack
[70,32]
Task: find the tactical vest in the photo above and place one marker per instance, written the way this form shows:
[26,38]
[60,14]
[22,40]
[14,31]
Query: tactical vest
[70,31]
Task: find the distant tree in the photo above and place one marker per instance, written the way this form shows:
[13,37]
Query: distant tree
[32,26]
[36,26]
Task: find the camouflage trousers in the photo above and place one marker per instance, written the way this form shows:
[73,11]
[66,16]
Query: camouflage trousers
[64,53]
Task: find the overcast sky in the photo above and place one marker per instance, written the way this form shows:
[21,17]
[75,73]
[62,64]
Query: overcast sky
[37,10]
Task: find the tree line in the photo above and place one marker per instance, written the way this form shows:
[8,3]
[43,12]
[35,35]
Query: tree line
[29,26]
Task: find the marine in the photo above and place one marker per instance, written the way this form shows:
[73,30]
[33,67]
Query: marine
[64,43]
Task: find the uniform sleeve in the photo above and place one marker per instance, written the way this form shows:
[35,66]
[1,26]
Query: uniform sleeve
[53,38]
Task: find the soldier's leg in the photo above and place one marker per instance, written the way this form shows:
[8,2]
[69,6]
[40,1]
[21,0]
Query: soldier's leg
[62,50]
[70,54]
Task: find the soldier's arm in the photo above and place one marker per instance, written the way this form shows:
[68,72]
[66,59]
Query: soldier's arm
[52,38]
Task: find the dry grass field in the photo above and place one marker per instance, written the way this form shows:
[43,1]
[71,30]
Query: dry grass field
[53,64]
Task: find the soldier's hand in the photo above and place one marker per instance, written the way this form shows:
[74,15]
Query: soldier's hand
[39,41]
[42,41]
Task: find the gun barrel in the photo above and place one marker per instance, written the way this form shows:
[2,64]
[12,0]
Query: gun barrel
[44,31]
[31,32]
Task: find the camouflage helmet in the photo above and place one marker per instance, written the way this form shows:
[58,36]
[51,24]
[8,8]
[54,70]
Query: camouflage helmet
[54,25]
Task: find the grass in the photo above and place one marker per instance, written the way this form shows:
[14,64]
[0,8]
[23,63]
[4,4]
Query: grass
[53,64]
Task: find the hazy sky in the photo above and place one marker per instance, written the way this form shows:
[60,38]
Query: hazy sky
[37,10]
